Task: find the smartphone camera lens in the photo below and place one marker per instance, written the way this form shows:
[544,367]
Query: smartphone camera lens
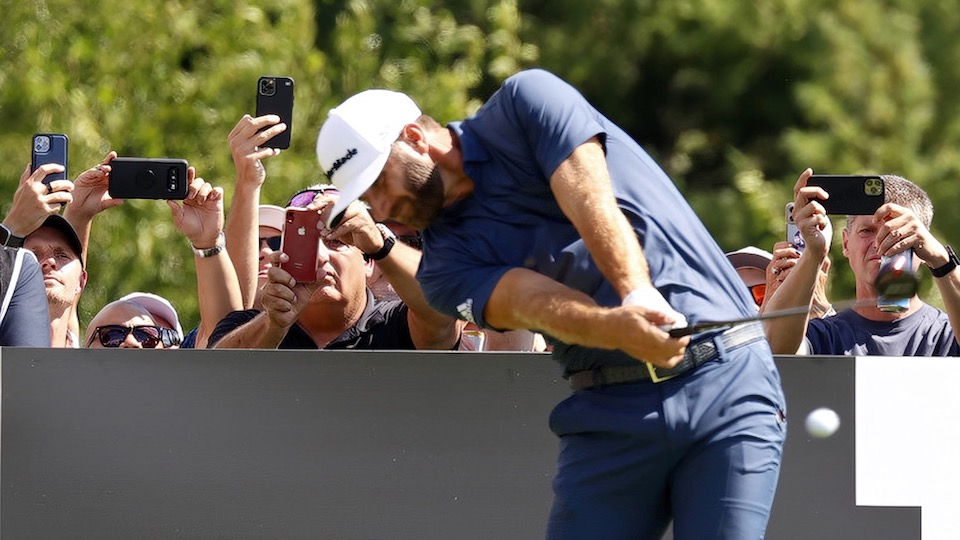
[172,179]
[268,87]
[41,144]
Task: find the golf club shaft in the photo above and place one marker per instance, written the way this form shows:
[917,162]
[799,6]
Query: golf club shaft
[788,312]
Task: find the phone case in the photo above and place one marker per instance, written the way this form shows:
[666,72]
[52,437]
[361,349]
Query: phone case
[850,194]
[275,96]
[50,148]
[301,242]
[148,178]
[793,232]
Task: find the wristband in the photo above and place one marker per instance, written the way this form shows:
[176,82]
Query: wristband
[211,251]
[941,271]
[8,239]
[389,239]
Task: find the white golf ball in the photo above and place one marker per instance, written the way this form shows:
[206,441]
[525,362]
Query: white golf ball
[822,423]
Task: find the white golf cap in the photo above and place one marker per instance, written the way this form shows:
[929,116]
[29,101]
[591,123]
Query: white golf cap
[157,306]
[271,216]
[354,143]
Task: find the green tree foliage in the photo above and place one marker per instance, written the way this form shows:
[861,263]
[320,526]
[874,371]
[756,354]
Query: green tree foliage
[735,99]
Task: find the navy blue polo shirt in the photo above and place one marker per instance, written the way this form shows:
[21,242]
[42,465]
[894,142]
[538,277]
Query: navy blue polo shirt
[511,147]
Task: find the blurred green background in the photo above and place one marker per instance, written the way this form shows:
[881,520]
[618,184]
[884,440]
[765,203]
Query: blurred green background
[733,98]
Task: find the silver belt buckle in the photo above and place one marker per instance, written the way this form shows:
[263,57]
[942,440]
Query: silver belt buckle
[652,369]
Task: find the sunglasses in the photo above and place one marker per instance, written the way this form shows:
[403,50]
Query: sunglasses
[272,242]
[112,335]
[303,198]
[758,291]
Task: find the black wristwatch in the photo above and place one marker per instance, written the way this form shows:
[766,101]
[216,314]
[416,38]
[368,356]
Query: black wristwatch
[8,239]
[389,239]
[948,267]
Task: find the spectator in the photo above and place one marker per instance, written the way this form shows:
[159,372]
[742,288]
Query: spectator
[785,256]
[24,319]
[338,311]
[199,217]
[161,311]
[902,223]
[59,252]
[128,323]
[246,139]
[751,265]
[537,212]
[34,202]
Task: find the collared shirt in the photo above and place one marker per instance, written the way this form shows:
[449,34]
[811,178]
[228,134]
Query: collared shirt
[511,147]
[383,325]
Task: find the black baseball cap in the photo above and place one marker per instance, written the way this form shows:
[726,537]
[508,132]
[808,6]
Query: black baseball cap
[57,222]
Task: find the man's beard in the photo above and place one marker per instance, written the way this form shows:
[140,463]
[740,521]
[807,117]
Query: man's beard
[426,187]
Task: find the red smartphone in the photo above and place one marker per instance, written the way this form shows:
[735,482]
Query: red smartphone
[301,242]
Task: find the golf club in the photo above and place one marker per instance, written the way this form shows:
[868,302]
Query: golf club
[788,312]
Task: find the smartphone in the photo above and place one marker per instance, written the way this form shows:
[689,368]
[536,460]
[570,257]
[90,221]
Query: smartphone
[275,96]
[301,242]
[793,232]
[850,194]
[148,178]
[50,148]
[896,282]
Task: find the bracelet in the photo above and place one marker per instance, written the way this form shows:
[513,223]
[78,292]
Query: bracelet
[211,251]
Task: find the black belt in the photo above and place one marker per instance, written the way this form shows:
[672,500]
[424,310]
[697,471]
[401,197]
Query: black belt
[696,355]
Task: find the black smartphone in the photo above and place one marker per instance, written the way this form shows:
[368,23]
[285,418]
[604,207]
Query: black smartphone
[275,96]
[148,178]
[850,194]
[50,148]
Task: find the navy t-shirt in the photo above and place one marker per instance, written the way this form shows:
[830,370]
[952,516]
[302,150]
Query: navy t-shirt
[511,147]
[924,333]
[382,326]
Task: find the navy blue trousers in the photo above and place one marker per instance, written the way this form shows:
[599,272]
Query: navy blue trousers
[702,449]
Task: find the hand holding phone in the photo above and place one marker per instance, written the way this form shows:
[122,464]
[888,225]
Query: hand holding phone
[275,96]
[850,194]
[300,241]
[148,178]
[793,232]
[50,148]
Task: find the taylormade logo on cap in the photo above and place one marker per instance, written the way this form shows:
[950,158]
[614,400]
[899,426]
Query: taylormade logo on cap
[339,162]
[354,143]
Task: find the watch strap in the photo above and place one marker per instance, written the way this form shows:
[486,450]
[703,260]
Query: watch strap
[389,239]
[8,239]
[211,251]
[941,271]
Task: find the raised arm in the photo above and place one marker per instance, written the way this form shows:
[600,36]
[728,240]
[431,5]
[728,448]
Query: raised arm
[200,219]
[429,328]
[902,229]
[242,223]
[797,289]
[33,201]
[90,197]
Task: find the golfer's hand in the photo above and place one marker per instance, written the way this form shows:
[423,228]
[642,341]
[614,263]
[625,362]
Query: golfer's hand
[640,336]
